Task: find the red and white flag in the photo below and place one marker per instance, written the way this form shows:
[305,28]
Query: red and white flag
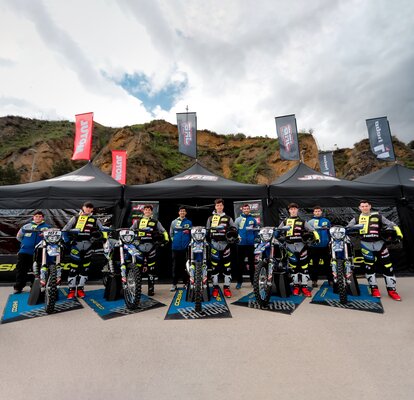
[83,137]
[119,160]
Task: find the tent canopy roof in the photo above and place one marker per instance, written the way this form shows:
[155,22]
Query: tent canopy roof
[66,191]
[304,184]
[195,182]
[394,175]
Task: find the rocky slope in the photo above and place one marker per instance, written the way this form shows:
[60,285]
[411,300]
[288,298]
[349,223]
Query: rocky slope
[41,149]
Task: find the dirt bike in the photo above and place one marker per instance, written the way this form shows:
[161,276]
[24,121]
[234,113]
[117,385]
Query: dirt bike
[48,276]
[342,265]
[271,271]
[123,252]
[196,265]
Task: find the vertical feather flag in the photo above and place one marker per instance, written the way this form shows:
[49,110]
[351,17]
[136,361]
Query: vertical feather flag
[119,161]
[287,134]
[83,137]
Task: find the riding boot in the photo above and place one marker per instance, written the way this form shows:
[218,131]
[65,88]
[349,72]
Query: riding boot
[390,282]
[227,279]
[372,280]
[72,282]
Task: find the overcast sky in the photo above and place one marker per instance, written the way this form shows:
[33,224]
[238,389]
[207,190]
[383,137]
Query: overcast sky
[237,63]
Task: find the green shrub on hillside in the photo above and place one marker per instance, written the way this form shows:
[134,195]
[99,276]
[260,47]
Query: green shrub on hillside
[9,176]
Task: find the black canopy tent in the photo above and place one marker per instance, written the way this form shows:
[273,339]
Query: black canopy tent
[196,182]
[196,187]
[308,187]
[66,191]
[403,177]
[59,198]
[339,198]
[396,175]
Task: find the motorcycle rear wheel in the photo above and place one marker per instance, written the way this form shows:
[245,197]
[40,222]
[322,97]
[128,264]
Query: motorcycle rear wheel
[133,287]
[51,293]
[262,290]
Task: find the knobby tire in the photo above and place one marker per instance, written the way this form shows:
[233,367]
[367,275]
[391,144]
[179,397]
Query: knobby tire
[262,291]
[198,286]
[132,295]
[343,296]
[51,293]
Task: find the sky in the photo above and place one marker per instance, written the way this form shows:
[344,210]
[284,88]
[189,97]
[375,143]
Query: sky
[237,63]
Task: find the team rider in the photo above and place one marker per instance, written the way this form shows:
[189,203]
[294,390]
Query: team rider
[87,228]
[374,249]
[145,239]
[297,250]
[220,252]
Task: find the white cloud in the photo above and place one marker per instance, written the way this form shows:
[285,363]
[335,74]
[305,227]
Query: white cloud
[332,63]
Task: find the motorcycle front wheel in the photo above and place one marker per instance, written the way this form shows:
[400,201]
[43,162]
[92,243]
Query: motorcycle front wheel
[262,290]
[198,286]
[51,293]
[132,288]
[341,281]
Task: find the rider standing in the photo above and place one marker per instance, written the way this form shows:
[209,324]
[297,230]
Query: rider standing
[320,251]
[149,237]
[180,239]
[374,249]
[245,248]
[28,241]
[220,252]
[297,250]
[87,227]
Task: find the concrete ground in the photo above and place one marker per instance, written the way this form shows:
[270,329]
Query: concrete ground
[318,352]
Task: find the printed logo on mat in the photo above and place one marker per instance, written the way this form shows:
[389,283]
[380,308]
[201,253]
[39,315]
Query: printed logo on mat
[17,309]
[180,308]
[285,305]
[364,302]
[117,308]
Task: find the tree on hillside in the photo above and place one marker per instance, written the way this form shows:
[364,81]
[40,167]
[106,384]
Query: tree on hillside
[62,167]
[9,176]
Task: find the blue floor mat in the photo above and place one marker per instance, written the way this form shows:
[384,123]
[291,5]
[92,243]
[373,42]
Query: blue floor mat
[112,309]
[182,309]
[17,309]
[285,305]
[364,302]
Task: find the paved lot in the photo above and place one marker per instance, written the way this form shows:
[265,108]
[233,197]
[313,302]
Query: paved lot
[318,352]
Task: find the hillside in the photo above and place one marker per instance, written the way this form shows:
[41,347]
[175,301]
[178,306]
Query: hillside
[43,149]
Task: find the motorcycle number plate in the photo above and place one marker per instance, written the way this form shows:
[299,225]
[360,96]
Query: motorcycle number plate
[53,250]
[338,246]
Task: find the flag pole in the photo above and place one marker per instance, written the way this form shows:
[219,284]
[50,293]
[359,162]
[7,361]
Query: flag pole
[392,143]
